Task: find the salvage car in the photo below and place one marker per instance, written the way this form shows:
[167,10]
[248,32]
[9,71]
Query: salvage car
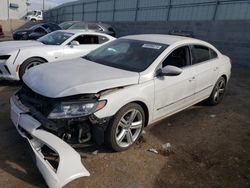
[111,94]
[16,57]
[35,32]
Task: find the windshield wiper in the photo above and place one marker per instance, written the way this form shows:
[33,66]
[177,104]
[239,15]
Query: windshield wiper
[87,58]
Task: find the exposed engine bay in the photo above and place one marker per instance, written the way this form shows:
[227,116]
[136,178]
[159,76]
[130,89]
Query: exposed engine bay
[78,132]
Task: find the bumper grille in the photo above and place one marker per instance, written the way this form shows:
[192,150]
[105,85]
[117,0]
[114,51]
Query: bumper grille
[35,101]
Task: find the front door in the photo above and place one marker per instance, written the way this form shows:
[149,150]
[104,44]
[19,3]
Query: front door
[173,93]
[87,43]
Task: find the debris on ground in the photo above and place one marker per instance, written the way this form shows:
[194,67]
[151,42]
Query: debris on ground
[95,152]
[141,140]
[169,124]
[153,150]
[212,115]
[143,132]
[167,149]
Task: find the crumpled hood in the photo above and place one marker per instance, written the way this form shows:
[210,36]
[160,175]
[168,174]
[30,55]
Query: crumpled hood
[10,46]
[77,76]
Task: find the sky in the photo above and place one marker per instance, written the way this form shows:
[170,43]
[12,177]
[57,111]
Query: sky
[38,4]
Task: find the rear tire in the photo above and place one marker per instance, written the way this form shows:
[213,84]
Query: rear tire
[29,63]
[218,92]
[126,127]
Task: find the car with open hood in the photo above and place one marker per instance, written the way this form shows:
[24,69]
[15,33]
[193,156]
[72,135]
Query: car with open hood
[16,57]
[111,94]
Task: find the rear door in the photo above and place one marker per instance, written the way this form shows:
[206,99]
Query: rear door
[205,62]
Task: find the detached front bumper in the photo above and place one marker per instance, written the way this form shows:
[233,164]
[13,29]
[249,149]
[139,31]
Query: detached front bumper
[69,167]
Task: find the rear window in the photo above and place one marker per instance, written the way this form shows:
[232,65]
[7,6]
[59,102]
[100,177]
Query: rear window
[78,26]
[213,54]
[200,54]
[94,27]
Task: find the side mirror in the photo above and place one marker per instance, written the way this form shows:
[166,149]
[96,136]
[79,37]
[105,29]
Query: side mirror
[169,70]
[74,43]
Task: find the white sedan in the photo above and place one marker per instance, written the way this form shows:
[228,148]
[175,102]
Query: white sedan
[16,57]
[111,94]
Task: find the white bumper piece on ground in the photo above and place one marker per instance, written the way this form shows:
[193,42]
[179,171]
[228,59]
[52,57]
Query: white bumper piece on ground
[69,167]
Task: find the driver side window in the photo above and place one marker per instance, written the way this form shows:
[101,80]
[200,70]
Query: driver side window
[87,39]
[178,58]
[40,30]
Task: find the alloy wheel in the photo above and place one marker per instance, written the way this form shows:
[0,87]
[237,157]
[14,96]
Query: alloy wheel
[219,90]
[129,128]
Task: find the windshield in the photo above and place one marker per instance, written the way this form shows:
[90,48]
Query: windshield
[131,55]
[55,38]
[66,25]
[32,13]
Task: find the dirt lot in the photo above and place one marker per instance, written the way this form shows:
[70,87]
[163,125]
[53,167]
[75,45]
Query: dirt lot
[211,148]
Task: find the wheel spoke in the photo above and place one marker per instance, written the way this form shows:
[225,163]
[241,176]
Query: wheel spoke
[121,136]
[123,123]
[221,91]
[216,96]
[129,137]
[132,116]
[221,85]
[136,125]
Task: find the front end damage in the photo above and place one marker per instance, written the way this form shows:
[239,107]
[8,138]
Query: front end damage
[29,113]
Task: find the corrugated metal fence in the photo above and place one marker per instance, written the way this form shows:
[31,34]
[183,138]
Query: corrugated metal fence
[150,10]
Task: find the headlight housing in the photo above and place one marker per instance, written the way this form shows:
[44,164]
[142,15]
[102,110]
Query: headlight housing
[67,110]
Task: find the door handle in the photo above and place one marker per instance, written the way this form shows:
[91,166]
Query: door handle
[216,68]
[191,79]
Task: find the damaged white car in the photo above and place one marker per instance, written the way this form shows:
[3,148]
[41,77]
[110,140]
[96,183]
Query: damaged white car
[16,57]
[111,94]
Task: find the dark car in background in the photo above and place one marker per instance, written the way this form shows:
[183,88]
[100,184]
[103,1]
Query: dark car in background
[35,31]
[90,26]
[1,31]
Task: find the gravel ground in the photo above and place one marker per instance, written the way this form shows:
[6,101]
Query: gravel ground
[211,148]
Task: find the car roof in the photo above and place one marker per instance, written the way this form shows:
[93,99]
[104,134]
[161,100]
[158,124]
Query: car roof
[77,31]
[88,22]
[159,38]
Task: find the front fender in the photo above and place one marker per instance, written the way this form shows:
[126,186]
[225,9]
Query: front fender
[143,92]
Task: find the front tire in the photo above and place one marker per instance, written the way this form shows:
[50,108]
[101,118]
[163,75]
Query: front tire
[29,63]
[126,127]
[218,92]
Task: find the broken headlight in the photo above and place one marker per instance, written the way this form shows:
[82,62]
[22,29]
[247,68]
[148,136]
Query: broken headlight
[75,109]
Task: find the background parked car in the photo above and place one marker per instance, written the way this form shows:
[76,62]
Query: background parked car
[35,31]
[1,31]
[16,57]
[92,26]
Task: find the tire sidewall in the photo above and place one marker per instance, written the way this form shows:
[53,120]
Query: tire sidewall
[26,63]
[111,131]
[211,98]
